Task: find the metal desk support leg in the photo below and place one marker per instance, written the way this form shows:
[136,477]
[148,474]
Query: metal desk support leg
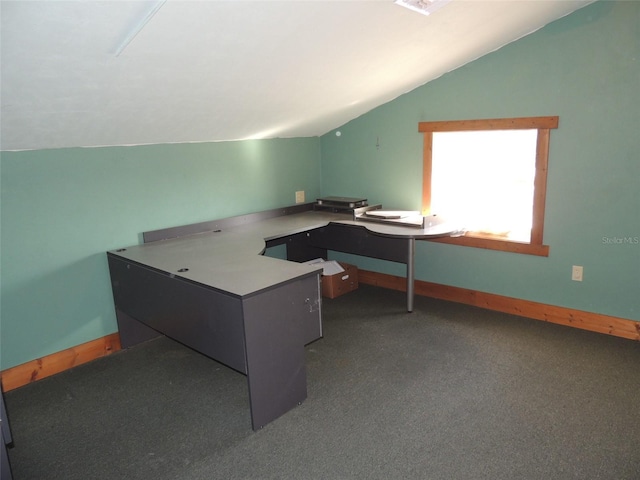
[410,272]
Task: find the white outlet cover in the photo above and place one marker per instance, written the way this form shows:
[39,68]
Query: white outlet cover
[576,273]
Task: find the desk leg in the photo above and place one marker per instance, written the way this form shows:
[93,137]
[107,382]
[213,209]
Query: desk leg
[411,253]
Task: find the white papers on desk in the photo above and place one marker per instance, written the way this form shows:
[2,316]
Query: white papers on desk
[329,267]
[391,214]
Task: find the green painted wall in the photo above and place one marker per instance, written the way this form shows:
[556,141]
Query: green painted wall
[584,68]
[63,209]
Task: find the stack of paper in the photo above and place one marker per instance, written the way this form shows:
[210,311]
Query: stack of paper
[329,267]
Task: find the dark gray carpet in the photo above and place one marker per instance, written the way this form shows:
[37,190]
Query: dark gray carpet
[447,392]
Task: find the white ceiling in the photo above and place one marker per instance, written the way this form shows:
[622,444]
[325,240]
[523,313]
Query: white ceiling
[201,71]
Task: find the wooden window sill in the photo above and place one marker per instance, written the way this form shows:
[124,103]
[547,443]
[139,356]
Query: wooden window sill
[495,244]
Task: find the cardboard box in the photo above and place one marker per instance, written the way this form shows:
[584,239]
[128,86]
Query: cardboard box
[340,283]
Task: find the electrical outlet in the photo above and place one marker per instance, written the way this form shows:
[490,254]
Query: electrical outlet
[300,196]
[576,273]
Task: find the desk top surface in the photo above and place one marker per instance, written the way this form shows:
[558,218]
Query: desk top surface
[230,259]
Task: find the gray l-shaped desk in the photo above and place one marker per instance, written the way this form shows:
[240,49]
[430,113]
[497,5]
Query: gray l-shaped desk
[207,286]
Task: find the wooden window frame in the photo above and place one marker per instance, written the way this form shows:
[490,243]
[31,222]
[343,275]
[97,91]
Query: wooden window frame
[474,239]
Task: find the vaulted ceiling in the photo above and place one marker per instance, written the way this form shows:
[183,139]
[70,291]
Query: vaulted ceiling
[91,73]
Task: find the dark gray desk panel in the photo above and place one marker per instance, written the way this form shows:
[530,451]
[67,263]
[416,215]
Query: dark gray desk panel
[223,224]
[298,247]
[201,318]
[5,465]
[5,440]
[278,323]
[4,422]
[358,240]
[131,331]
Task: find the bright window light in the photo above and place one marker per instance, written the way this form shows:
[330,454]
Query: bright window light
[485,180]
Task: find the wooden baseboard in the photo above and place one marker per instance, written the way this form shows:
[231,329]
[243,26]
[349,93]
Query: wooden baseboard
[58,362]
[619,327]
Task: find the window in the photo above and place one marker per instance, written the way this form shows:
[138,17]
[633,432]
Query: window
[491,175]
